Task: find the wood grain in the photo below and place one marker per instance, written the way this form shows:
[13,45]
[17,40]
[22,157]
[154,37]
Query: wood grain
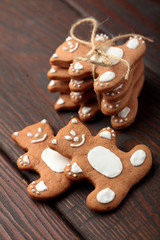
[30,32]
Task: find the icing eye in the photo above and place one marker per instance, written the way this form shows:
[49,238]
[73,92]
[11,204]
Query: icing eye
[73,133]
[39,130]
[29,134]
[69,138]
[36,135]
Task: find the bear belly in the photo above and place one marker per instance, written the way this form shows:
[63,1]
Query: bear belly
[55,161]
[105,161]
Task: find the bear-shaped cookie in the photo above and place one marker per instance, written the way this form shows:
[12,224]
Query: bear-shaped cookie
[98,160]
[48,163]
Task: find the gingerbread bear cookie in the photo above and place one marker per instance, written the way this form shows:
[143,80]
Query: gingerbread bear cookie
[48,163]
[98,160]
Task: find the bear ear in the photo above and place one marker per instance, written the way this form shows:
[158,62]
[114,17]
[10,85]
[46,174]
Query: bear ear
[107,134]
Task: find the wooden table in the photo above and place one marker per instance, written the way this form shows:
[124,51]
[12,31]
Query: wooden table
[30,31]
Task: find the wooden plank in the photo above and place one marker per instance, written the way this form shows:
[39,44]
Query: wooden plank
[121,16]
[29,37]
[22,218]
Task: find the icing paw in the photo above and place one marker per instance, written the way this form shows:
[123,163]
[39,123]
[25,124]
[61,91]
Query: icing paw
[23,161]
[37,188]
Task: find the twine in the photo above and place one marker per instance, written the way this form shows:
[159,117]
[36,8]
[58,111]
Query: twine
[99,50]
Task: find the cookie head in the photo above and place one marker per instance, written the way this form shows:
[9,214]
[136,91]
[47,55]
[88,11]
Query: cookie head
[71,139]
[33,134]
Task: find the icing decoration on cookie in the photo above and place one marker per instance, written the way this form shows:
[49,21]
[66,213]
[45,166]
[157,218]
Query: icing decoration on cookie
[60,101]
[74,120]
[39,129]
[29,134]
[16,134]
[65,48]
[26,159]
[52,70]
[79,144]
[105,134]
[124,112]
[44,121]
[41,186]
[69,38]
[133,43]
[54,141]
[75,168]
[55,161]
[36,135]
[74,48]
[40,140]
[105,196]
[116,52]
[68,138]
[107,76]
[105,161]
[73,133]
[86,110]
[138,158]
[78,66]
[52,83]
[55,55]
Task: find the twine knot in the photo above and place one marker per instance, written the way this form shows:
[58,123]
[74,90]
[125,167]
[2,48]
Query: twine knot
[99,51]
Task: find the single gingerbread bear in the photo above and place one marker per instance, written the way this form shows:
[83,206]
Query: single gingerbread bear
[48,163]
[98,160]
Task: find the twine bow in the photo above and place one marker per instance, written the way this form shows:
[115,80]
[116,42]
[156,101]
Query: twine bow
[100,50]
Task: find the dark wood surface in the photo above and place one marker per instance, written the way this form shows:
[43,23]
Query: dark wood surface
[29,33]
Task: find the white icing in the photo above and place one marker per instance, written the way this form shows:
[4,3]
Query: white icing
[105,161]
[39,129]
[76,139]
[55,55]
[75,168]
[107,76]
[54,141]
[65,48]
[55,161]
[105,134]
[79,144]
[36,135]
[120,86]
[116,52]
[44,121]
[29,134]
[124,112]
[41,187]
[133,43]
[74,48]
[138,158]
[52,70]
[60,101]
[16,133]
[40,140]
[105,196]
[99,38]
[78,66]
[26,159]
[78,81]
[74,120]
[77,93]
[73,133]
[86,110]
[69,138]
[52,83]
[68,38]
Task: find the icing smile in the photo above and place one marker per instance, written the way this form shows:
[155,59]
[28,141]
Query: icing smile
[40,140]
[79,144]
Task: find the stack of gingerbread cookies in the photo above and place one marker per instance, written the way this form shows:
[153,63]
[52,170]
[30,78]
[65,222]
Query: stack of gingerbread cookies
[109,92]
